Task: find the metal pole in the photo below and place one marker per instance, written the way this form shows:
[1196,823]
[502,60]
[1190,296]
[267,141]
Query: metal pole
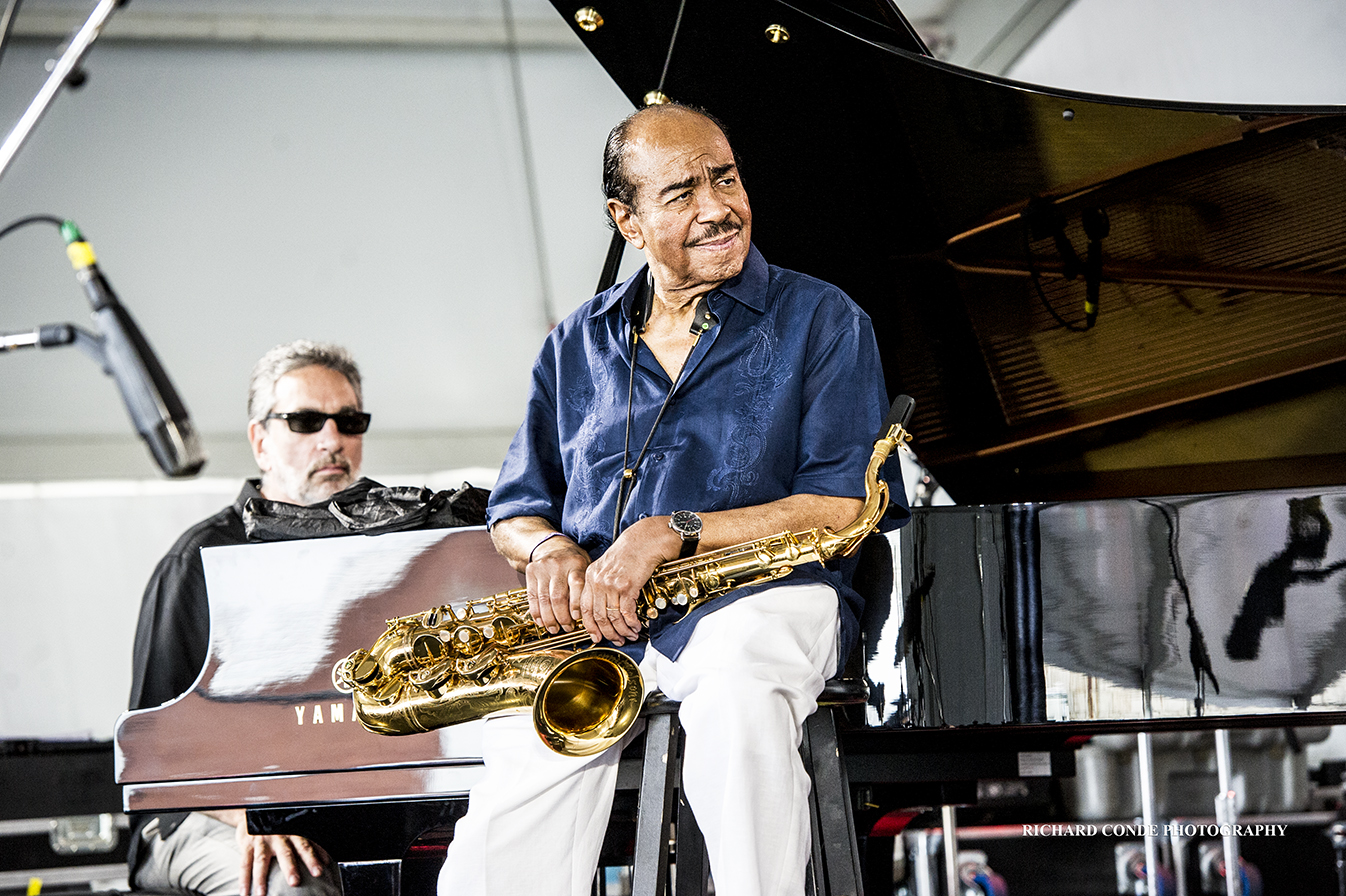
[1226,814]
[79,45]
[1337,834]
[11,341]
[46,336]
[921,872]
[1178,847]
[951,885]
[1145,750]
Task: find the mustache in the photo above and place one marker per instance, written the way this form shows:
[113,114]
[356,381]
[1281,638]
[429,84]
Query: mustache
[334,458]
[713,232]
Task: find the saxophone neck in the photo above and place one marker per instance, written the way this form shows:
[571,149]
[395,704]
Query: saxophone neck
[845,541]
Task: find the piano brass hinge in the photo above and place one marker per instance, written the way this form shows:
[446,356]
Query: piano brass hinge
[588,18]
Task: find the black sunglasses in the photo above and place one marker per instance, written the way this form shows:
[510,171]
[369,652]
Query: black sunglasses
[350,423]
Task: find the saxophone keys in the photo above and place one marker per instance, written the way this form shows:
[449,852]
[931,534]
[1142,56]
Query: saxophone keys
[363,670]
[428,649]
[354,671]
[467,640]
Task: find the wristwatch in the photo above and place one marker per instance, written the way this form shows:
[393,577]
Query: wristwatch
[688,525]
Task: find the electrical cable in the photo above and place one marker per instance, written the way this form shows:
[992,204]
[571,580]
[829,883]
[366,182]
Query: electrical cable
[627,483]
[668,58]
[1037,285]
[30,219]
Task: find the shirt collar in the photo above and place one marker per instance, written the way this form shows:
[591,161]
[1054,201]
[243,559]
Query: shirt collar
[748,287]
[252,488]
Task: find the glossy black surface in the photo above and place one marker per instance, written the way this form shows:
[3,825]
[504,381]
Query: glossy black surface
[47,779]
[952,206]
[1208,609]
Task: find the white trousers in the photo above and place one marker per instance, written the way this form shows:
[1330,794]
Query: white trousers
[747,680]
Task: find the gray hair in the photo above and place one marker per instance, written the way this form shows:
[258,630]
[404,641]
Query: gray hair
[289,357]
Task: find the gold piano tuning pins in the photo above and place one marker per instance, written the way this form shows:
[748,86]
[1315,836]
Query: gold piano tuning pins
[588,18]
[777,34]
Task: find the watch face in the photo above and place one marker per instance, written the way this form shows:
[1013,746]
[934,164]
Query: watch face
[685,523]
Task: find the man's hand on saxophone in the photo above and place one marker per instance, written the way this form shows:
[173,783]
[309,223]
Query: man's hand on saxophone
[613,581]
[552,564]
[555,584]
[565,588]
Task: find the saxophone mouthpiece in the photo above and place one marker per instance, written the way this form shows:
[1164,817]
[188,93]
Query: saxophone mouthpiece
[899,414]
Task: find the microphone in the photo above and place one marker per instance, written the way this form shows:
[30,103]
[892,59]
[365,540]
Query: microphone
[1096,227]
[703,319]
[155,408]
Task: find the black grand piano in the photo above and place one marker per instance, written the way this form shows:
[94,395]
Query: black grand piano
[1123,324]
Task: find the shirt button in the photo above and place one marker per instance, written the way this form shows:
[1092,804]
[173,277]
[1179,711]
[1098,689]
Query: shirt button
[658,457]
[644,516]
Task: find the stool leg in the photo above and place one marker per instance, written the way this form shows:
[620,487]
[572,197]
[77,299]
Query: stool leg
[693,865]
[815,883]
[650,873]
[829,803]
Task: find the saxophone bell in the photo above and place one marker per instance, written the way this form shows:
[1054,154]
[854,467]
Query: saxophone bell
[589,701]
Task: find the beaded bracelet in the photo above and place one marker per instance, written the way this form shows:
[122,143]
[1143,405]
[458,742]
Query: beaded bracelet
[541,543]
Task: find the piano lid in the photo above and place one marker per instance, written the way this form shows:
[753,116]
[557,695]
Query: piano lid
[264,724]
[976,219]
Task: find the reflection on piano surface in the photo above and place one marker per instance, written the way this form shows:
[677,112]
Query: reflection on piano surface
[263,724]
[1100,614]
[1199,608]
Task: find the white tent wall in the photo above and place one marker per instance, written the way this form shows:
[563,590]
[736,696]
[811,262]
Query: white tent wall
[75,558]
[1246,52]
[240,195]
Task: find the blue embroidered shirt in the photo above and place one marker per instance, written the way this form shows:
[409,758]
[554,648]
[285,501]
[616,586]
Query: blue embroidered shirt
[783,396]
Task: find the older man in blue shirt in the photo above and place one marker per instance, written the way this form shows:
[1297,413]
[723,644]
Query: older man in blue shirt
[709,400]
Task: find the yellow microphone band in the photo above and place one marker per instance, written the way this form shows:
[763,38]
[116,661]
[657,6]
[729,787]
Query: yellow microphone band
[81,255]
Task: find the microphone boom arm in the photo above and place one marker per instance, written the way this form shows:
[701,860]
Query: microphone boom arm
[54,335]
[74,52]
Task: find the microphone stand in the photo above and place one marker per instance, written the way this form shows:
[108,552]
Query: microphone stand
[52,335]
[74,52]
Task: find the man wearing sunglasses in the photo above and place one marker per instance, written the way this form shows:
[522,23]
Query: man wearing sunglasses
[306,428]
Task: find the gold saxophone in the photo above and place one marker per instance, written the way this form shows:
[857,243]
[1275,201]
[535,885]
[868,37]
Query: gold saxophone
[459,662]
